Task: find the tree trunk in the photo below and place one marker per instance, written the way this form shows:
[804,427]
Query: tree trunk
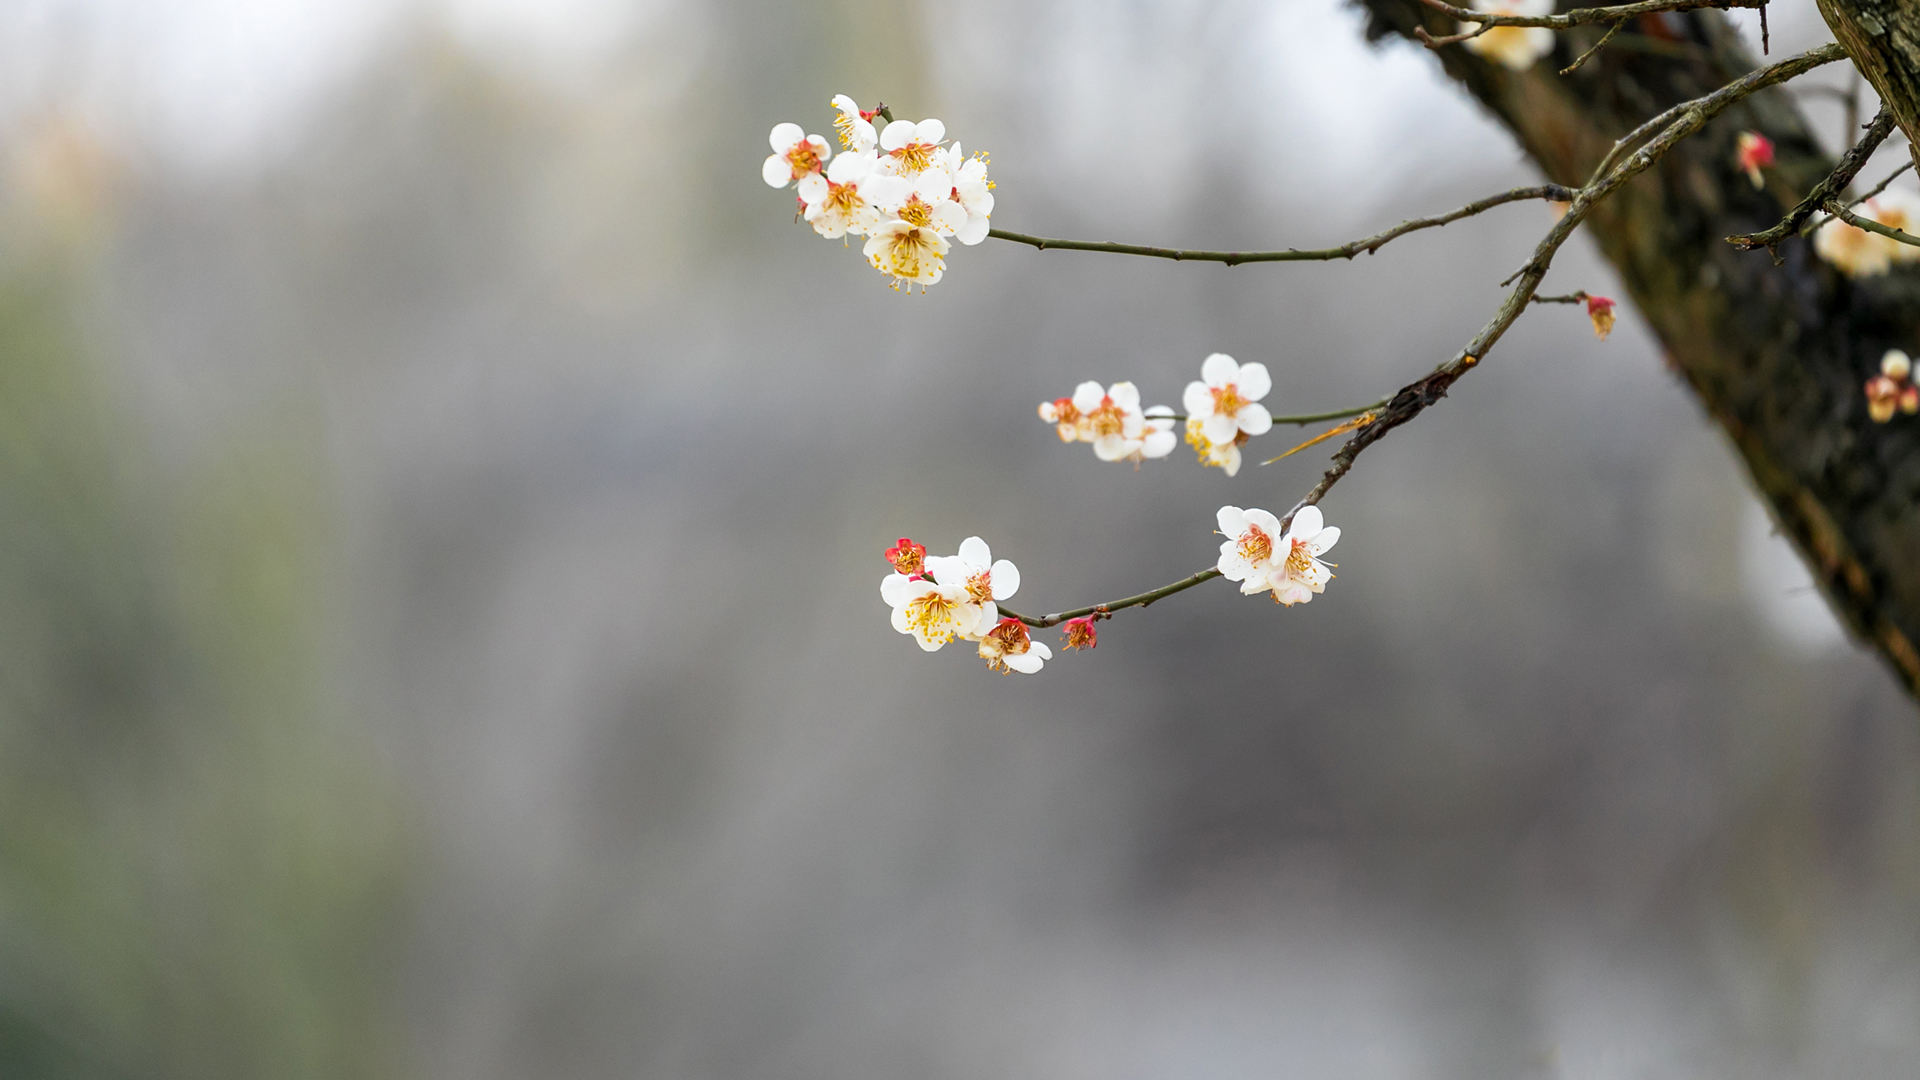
[1883,38]
[1778,354]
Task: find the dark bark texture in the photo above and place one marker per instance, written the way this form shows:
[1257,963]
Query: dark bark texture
[1883,38]
[1777,354]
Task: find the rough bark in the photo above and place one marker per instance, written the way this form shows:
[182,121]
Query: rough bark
[1883,38]
[1777,354]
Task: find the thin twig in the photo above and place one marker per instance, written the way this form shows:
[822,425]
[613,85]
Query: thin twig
[1882,185]
[1487,20]
[1302,419]
[1413,398]
[1823,192]
[1833,207]
[1604,38]
[1580,297]
[1141,600]
[1550,192]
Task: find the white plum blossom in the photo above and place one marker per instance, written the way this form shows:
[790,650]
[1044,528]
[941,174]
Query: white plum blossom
[1226,399]
[923,201]
[1223,456]
[797,157]
[908,149]
[1111,419]
[973,191]
[1260,559]
[933,612]
[854,197]
[854,128]
[1859,253]
[1066,419]
[1008,647]
[982,579]
[907,252]
[1516,47]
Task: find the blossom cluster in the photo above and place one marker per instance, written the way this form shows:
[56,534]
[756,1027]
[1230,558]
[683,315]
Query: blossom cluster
[901,185]
[1892,390]
[1223,412]
[938,599]
[1858,253]
[1515,47]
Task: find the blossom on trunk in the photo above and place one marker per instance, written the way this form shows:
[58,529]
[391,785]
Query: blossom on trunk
[854,125]
[1008,647]
[1226,399]
[1600,310]
[1892,390]
[1752,153]
[1515,47]
[797,158]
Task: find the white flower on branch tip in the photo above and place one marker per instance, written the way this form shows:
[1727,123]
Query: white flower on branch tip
[1516,47]
[907,252]
[1008,647]
[1859,253]
[1260,559]
[1226,400]
[797,156]
[973,191]
[911,148]
[855,130]
[983,579]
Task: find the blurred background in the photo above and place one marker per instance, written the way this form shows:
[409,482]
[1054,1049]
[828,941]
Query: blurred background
[442,496]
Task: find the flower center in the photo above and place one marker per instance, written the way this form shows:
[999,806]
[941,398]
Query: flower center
[1107,419]
[843,198]
[913,158]
[1080,634]
[843,125]
[1299,563]
[1227,400]
[1255,545]
[932,616]
[917,212]
[980,587]
[803,158]
[908,252]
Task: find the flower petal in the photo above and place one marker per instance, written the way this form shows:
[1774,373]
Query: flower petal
[1308,522]
[1232,521]
[813,188]
[1229,458]
[1026,663]
[1218,370]
[1006,579]
[1219,429]
[776,172]
[1086,396]
[1126,395]
[896,135]
[1255,419]
[893,589]
[1254,382]
[1198,400]
[1267,522]
[784,136]
[975,553]
[1323,540]
[900,620]
[1110,448]
[974,231]
[930,131]
[1158,444]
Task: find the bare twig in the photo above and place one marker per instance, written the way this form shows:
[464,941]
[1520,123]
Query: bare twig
[1302,419]
[1566,21]
[1604,38]
[1823,192]
[1882,185]
[1551,192]
[1414,398]
[1571,298]
[1872,226]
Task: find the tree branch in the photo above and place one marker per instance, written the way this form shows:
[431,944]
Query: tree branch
[1833,207]
[1577,17]
[1689,117]
[1551,192]
[1824,191]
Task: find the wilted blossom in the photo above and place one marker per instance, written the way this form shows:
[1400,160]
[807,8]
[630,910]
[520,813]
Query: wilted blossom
[1008,647]
[1600,310]
[1081,633]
